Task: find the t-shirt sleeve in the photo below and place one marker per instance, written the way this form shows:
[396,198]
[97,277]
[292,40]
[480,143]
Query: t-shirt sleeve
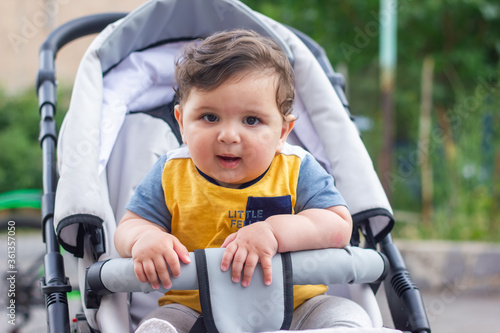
[315,187]
[148,200]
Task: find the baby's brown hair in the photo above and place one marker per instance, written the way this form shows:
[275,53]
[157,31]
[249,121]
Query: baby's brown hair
[225,55]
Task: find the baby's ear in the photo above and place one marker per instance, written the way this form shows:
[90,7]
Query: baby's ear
[286,128]
[177,113]
[178,117]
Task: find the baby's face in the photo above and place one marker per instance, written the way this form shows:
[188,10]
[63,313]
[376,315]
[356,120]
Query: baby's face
[234,131]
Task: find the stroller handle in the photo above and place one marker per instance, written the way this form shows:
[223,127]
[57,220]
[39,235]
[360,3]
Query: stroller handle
[77,28]
[326,266]
[64,34]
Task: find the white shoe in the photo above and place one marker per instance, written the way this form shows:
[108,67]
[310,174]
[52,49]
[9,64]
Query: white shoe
[155,325]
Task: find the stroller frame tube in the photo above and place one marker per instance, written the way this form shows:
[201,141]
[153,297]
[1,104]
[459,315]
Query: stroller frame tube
[55,285]
[403,296]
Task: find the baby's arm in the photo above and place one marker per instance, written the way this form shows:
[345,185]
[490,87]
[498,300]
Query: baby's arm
[152,248]
[308,230]
[313,229]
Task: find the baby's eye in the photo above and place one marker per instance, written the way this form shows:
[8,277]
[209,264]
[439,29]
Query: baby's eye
[252,121]
[211,118]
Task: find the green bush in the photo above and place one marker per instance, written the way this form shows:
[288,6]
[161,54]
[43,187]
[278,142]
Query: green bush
[21,155]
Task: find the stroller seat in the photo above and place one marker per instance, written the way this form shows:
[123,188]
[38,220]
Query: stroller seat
[119,123]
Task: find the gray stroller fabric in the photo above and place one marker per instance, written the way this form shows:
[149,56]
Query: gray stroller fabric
[225,312]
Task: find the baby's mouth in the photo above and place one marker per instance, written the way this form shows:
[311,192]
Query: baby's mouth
[228,161]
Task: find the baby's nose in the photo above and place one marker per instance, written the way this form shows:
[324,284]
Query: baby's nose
[229,134]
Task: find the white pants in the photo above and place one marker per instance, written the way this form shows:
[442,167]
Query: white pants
[319,312]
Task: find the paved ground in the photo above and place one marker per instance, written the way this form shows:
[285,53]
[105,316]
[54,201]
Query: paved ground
[450,310]
[458,313]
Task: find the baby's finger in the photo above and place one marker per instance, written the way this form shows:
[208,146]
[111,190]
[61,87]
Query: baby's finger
[227,257]
[181,251]
[239,260]
[163,274]
[139,272]
[250,263]
[229,239]
[151,275]
[173,263]
[267,267]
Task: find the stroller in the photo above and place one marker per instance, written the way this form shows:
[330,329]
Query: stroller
[119,123]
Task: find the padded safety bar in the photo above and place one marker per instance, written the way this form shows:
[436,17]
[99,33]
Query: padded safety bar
[327,266]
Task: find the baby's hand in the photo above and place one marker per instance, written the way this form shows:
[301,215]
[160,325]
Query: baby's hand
[153,253]
[248,246]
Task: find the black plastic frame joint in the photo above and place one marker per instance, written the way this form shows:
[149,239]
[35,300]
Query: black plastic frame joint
[55,288]
[48,202]
[47,129]
[96,238]
[94,288]
[45,75]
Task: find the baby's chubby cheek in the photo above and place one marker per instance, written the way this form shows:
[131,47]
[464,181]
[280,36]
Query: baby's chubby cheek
[261,144]
[263,138]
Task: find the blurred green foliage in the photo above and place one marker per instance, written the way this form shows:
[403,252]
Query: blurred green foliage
[462,38]
[21,155]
